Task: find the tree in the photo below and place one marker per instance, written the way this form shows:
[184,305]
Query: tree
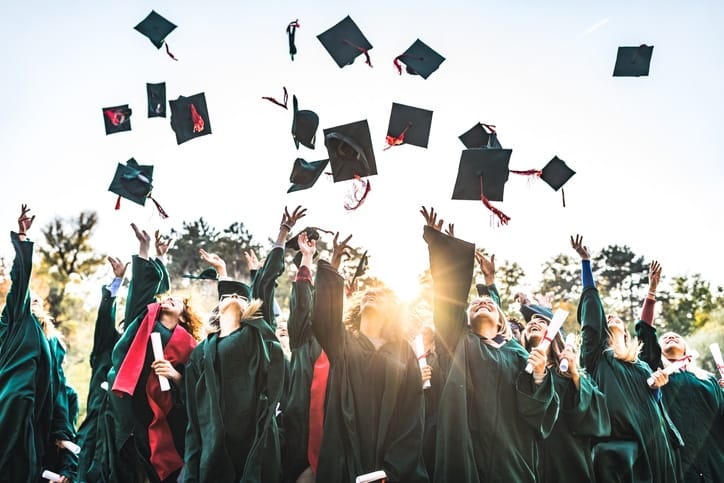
[689,304]
[507,278]
[67,251]
[621,275]
[561,278]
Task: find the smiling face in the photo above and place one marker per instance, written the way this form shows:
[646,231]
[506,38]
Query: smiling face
[233,301]
[172,306]
[615,324]
[536,329]
[482,308]
[375,300]
[672,345]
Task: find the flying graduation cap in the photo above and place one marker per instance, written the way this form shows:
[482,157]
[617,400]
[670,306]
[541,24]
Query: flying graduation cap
[305,174]
[419,59]
[361,268]
[482,174]
[408,125]
[633,61]
[190,117]
[481,135]
[135,183]
[293,243]
[304,126]
[156,28]
[156,97]
[555,173]
[291,31]
[345,42]
[117,119]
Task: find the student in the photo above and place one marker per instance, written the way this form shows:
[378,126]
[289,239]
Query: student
[375,408]
[639,448]
[235,380]
[151,423]
[692,397]
[491,411]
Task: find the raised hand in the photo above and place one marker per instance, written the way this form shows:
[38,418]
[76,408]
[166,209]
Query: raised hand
[119,268]
[450,231]
[339,250]
[522,298]
[163,243]
[144,241]
[580,248]
[24,221]
[215,261]
[654,275]
[487,266]
[306,246]
[288,220]
[431,218]
[350,287]
[251,261]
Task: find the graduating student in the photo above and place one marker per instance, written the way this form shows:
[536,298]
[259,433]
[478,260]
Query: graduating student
[235,380]
[33,420]
[375,408]
[491,411]
[151,423]
[692,397]
[565,455]
[640,447]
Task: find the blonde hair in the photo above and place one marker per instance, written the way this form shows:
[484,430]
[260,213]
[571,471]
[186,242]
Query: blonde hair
[631,350]
[252,311]
[46,321]
[394,328]
[504,329]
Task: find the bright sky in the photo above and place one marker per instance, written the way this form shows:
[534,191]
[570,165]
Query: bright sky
[647,151]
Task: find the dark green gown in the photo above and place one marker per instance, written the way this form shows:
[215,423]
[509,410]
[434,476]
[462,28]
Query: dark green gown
[133,414]
[375,408]
[696,407]
[234,385]
[639,448]
[490,412]
[27,378]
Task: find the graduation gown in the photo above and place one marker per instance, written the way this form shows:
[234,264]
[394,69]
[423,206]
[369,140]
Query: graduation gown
[639,448]
[696,407]
[375,410]
[490,412]
[133,411]
[27,378]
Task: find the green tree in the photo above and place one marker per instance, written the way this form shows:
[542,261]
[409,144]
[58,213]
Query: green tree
[560,278]
[622,277]
[689,304]
[507,278]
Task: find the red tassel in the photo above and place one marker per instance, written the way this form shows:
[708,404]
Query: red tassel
[352,201]
[527,172]
[396,141]
[116,117]
[169,52]
[286,98]
[397,64]
[368,61]
[294,24]
[502,217]
[489,127]
[161,211]
[197,119]
[118,202]
[563,197]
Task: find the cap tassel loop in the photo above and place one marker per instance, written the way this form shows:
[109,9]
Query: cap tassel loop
[503,219]
[197,119]
[115,117]
[286,98]
[161,211]
[532,174]
[368,61]
[353,200]
[396,141]
[291,31]
[397,64]
[490,128]
[169,52]
[118,202]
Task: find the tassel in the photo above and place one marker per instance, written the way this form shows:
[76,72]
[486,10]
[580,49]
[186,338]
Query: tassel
[118,202]
[286,98]
[197,119]
[396,141]
[397,64]
[368,61]
[352,202]
[563,197]
[502,217]
[489,127]
[161,211]
[169,52]
[527,172]
[291,30]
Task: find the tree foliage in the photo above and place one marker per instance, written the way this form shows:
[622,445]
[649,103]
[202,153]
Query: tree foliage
[622,277]
[688,304]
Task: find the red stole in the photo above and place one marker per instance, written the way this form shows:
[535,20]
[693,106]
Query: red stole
[317,395]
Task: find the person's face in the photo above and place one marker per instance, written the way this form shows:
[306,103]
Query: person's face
[36,303]
[428,335]
[536,329]
[615,324]
[374,300]
[282,332]
[172,306]
[234,302]
[482,308]
[672,344]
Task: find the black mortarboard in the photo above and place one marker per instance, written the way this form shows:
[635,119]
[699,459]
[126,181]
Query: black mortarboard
[132,181]
[345,42]
[556,173]
[117,119]
[190,117]
[304,126]
[305,174]
[206,274]
[420,60]
[228,287]
[156,95]
[528,311]
[491,165]
[480,136]
[361,267]
[156,28]
[633,61]
[350,151]
[408,125]
[293,243]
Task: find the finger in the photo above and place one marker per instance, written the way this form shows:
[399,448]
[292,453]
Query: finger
[346,240]
[492,259]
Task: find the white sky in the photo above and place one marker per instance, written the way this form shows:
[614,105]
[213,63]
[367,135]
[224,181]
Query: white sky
[647,151]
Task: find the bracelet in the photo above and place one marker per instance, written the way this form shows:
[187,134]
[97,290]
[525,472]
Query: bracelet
[21,233]
[286,225]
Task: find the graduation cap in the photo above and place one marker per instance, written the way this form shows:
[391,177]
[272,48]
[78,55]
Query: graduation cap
[557,173]
[156,28]
[361,267]
[482,175]
[229,287]
[420,60]
[190,117]
[633,61]
[206,274]
[117,119]
[304,126]
[351,156]
[528,311]
[305,174]
[481,136]
[156,95]
[291,31]
[293,243]
[282,104]
[135,183]
[345,42]
[408,125]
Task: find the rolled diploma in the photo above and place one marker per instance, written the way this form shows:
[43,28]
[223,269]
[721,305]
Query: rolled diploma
[570,340]
[673,367]
[716,354]
[370,477]
[420,353]
[70,446]
[158,355]
[49,475]
[558,318]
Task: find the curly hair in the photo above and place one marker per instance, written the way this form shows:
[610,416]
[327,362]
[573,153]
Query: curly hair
[190,320]
[632,347]
[394,313]
[252,311]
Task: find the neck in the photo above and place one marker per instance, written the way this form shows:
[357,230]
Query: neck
[169,321]
[371,325]
[487,328]
[619,341]
[673,355]
[228,322]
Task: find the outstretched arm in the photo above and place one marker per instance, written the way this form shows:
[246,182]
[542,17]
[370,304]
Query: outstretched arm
[487,266]
[17,305]
[645,329]
[146,278]
[300,306]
